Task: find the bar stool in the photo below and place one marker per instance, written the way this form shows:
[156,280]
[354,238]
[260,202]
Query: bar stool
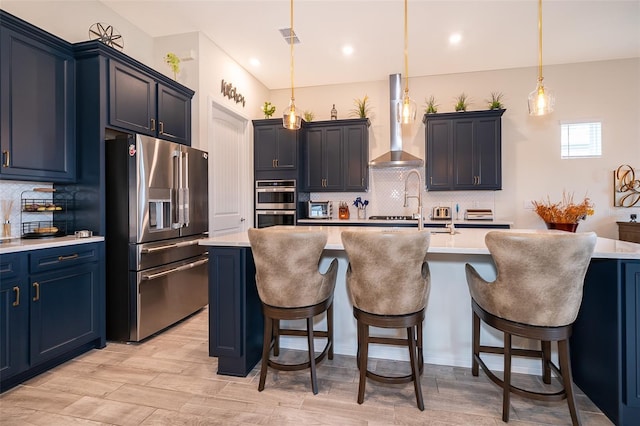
[388,282]
[290,287]
[536,295]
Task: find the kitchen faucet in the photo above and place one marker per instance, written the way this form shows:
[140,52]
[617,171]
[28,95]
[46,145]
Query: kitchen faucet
[419,196]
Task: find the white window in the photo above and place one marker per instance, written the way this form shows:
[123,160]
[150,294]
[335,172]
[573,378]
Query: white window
[581,140]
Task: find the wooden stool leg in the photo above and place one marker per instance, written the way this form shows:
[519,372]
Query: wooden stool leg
[276,337]
[414,367]
[330,329]
[506,390]
[420,349]
[567,379]
[312,356]
[546,359]
[266,346]
[475,344]
[362,359]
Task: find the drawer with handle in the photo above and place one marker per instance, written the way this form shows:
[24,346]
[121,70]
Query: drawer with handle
[62,257]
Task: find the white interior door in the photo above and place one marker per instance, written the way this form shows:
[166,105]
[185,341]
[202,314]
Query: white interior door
[229,195]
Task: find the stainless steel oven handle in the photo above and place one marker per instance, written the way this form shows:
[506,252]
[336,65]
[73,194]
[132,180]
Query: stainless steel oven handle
[276,189]
[173,270]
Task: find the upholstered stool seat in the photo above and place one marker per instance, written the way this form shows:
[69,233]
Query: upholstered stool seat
[536,295]
[290,287]
[388,283]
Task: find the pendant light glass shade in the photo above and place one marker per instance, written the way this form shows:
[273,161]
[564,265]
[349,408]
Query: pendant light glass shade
[406,107]
[291,118]
[541,100]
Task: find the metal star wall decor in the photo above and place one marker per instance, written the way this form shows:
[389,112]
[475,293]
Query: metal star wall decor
[107,35]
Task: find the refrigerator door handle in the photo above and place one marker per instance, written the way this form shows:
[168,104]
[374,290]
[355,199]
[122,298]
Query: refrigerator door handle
[175,191]
[185,190]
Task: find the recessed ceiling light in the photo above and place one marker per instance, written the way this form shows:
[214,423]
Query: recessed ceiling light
[254,62]
[455,38]
[347,50]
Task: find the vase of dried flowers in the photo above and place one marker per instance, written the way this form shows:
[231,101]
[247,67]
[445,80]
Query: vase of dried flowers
[563,215]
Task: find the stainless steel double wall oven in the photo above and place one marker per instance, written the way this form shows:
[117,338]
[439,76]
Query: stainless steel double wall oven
[275,202]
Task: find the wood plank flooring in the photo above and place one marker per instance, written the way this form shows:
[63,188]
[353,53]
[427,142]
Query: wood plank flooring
[170,380]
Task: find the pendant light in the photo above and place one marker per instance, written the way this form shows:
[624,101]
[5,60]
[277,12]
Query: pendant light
[541,100]
[406,107]
[291,118]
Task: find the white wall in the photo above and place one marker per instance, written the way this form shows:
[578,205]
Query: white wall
[607,91]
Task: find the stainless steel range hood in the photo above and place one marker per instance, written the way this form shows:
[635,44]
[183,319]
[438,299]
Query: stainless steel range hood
[396,157]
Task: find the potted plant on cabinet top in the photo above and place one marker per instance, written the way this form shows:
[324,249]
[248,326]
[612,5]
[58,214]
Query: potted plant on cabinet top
[308,116]
[432,106]
[268,109]
[174,63]
[496,101]
[565,214]
[462,102]
[362,108]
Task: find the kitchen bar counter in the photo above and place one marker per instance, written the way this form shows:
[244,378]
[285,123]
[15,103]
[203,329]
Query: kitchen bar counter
[465,241]
[24,244]
[604,340]
[428,223]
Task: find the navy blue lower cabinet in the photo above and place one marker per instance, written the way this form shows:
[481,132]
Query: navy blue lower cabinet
[14,315]
[605,346]
[60,312]
[235,312]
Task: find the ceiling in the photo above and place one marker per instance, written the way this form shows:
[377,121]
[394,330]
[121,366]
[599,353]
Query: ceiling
[496,34]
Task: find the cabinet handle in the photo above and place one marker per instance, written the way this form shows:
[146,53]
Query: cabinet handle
[36,285]
[273,163]
[17,291]
[153,124]
[362,182]
[161,124]
[70,257]
[6,156]
[277,165]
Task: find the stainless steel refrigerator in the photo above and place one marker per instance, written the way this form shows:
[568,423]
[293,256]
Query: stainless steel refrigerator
[157,210]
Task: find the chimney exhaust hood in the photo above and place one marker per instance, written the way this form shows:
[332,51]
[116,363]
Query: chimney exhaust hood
[396,157]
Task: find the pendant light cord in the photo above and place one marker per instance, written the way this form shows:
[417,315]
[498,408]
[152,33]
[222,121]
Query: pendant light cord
[291,41]
[540,78]
[406,50]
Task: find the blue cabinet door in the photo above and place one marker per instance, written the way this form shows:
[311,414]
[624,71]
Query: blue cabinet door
[37,81]
[64,311]
[14,315]
[132,99]
[631,410]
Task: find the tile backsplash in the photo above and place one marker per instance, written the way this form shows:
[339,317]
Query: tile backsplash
[386,196]
[11,193]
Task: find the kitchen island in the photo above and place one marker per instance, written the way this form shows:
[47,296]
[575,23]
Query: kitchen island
[614,276]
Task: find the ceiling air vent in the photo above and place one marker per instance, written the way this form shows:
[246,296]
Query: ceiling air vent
[288,34]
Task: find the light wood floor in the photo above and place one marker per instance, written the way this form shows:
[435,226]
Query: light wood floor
[170,380]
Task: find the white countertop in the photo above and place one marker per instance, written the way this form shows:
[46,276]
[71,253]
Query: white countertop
[465,241]
[20,244]
[406,223]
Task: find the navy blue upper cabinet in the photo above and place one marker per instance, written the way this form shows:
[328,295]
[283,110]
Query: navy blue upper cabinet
[37,109]
[140,103]
[336,155]
[463,150]
[275,148]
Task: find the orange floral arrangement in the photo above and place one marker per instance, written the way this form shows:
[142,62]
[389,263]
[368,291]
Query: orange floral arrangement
[565,211]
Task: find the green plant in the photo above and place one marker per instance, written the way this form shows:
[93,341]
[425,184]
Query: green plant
[268,109]
[308,116]
[432,106]
[462,102]
[496,101]
[362,108]
[174,63]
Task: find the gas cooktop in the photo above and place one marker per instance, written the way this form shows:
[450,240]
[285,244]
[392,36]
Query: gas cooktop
[391,217]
